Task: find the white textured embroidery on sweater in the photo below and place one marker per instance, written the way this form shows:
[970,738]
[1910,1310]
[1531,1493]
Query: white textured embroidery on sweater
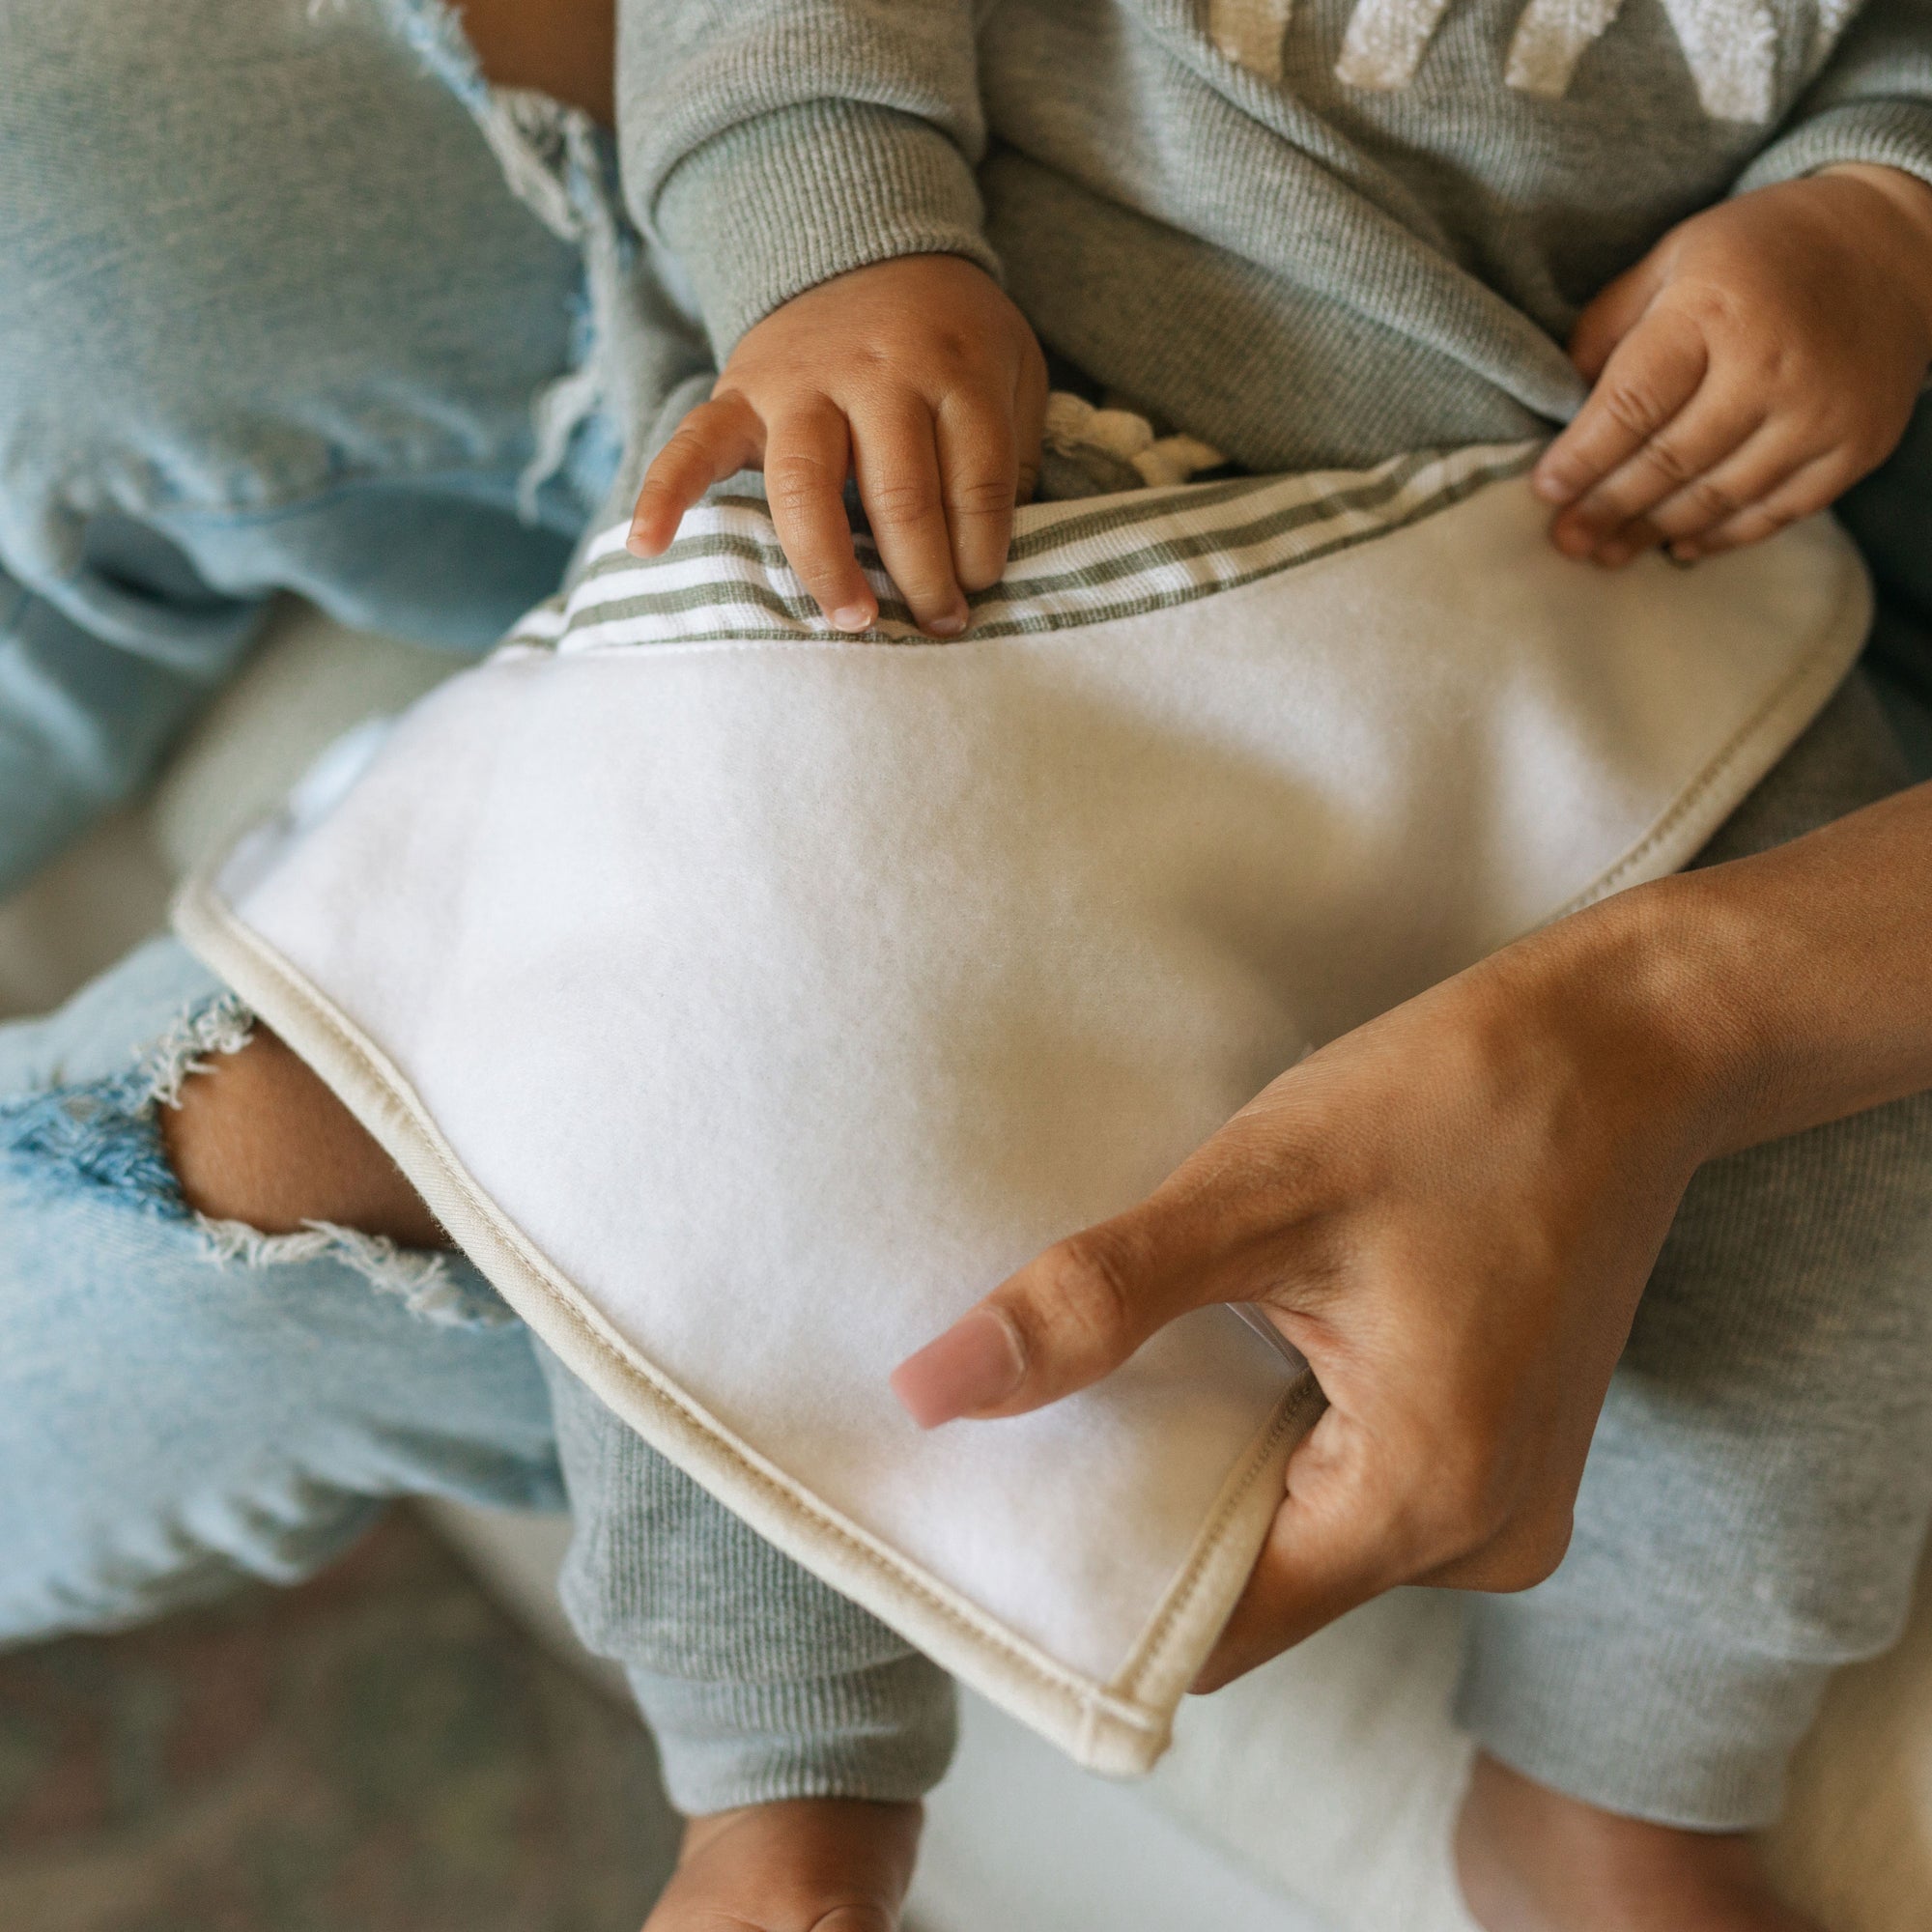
[1386,39]
[1729,45]
[1551,39]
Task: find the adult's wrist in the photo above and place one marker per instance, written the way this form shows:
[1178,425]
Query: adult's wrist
[1646,996]
[1765,995]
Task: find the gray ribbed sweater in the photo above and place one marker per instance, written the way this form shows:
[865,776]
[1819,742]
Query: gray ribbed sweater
[1311,232]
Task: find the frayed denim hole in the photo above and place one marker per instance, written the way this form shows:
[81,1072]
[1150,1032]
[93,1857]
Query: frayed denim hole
[433,31]
[104,1138]
[431,1286]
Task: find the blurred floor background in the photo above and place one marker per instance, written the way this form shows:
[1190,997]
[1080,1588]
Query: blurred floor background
[381,1749]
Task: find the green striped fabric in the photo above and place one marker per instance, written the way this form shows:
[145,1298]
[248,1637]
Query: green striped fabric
[726,580]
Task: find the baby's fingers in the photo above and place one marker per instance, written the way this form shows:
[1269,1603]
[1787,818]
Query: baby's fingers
[1710,459]
[1614,313]
[1740,478]
[979,464]
[717,439]
[896,459]
[805,466]
[1652,373]
[1803,493]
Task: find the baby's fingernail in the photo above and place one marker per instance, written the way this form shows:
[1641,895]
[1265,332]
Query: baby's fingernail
[948,626]
[976,1364]
[854,617]
[1573,541]
[1550,487]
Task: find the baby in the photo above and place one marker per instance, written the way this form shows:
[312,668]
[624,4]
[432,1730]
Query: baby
[1311,236]
[1306,237]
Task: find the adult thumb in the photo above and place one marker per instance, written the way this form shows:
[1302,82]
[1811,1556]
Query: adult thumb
[1063,1321]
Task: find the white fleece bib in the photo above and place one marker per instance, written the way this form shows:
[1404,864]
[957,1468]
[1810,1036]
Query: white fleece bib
[748,1001]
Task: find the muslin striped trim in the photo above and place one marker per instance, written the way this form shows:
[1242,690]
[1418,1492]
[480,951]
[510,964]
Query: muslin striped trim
[727,580]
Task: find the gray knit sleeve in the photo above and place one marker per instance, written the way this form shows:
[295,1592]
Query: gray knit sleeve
[759,1683]
[772,144]
[1872,101]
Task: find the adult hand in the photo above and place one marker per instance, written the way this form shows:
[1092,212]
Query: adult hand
[1452,1213]
[1759,360]
[916,376]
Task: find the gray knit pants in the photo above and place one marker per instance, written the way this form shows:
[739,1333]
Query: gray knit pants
[1750,1518]
[759,1681]
[1756,1498]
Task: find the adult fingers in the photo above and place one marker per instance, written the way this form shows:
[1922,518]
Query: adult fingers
[808,457]
[979,466]
[1518,1559]
[1332,1544]
[1391,1494]
[717,439]
[1210,1234]
[897,457]
[1651,374]
[1688,463]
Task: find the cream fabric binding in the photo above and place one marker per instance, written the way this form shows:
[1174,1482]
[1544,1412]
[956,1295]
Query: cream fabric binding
[746,1001]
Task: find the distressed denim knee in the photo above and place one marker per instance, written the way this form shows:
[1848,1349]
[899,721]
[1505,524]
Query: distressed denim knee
[103,1137]
[243,357]
[184,1404]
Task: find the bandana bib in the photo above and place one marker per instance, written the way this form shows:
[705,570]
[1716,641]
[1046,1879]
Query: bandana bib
[748,1001]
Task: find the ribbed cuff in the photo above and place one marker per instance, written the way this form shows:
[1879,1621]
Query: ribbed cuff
[788,200]
[1882,133]
[1651,1723]
[886,1733]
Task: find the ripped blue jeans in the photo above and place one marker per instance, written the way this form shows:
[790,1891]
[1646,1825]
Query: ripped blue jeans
[289,301]
[192,1404]
[185,1404]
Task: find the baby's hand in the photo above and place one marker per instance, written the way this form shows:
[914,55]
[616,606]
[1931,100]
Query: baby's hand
[1758,362]
[919,376]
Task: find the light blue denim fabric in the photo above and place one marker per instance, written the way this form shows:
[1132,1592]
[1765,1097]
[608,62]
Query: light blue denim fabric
[185,1404]
[277,312]
[269,320]
[172,1421]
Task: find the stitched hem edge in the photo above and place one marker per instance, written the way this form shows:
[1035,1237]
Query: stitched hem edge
[1108,1727]
[1121,1726]
[1710,797]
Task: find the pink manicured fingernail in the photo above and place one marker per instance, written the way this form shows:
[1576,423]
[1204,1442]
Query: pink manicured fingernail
[977,1363]
[854,617]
